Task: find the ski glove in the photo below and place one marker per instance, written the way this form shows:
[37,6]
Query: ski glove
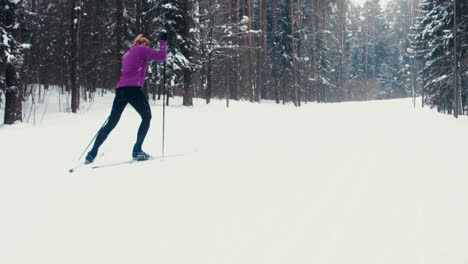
[164,36]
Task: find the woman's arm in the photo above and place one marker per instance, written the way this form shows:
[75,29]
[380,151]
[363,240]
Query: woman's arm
[155,55]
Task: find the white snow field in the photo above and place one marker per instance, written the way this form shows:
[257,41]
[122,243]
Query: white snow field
[359,182]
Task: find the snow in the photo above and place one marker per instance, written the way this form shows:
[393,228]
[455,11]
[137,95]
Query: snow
[440,79]
[6,39]
[244,20]
[359,182]
[181,59]
[169,6]
[25,46]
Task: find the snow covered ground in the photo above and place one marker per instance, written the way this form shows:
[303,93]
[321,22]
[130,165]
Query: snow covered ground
[359,182]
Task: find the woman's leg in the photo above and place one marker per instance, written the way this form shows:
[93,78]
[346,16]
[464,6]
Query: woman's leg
[141,105]
[118,106]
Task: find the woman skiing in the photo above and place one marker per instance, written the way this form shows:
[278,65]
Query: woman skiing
[129,89]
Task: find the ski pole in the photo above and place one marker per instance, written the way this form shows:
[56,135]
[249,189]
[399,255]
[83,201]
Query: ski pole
[164,107]
[164,90]
[105,122]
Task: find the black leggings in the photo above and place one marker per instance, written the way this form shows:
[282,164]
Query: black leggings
[123,95]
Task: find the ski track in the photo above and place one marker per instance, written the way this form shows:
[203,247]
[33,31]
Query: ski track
[358,182]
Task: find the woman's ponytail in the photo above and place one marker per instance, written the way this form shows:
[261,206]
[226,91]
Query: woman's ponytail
[140,40]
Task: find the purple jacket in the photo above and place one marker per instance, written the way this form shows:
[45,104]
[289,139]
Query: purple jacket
[134,64]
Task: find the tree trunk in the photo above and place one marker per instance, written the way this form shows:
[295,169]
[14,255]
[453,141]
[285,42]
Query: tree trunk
[315,30]
[265,46]
[249,52]
[139,16]
[119,35]
[210,50]
[367,50]
[299,24]
[230,22]
[275,38]
[342,21]
[74,56]
[188,87]
[294,86]
[13,100]
[237,68]
[259,85]
[457,94]
[208,83]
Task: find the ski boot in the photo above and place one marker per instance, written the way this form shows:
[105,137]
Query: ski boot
[140,155]
[90,157]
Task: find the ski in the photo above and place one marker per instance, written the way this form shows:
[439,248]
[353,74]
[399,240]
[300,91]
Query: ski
[122,163]
[82,164]
[77,167]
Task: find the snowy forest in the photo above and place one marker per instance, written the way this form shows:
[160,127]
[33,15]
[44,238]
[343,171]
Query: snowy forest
[288,51]
[267,131]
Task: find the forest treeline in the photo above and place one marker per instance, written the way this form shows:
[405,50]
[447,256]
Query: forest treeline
[284,50]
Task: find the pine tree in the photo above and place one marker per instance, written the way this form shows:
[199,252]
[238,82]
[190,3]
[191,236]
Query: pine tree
[76,6]
[373,28]
[356,56]
[339,37]
[51,54]
[215,34]
[282,50]
[272,53]
[394,70]
[463,54]
[95,49]
[180,19]
[433,43]
[11,56]
[323,66]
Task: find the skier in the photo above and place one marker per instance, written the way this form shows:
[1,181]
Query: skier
[129,89]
